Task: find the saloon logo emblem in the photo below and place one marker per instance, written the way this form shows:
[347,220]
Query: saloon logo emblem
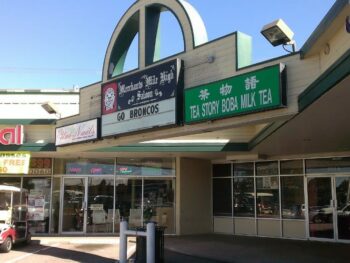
[109,98]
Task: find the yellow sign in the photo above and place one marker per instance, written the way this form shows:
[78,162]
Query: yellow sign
[14,162]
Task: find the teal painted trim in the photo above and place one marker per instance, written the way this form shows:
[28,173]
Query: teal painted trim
[110,42]
[230,147]
[336,73]
[152,38]
[266,132]
[123,43]
[244,54]
[31,147]
[336,9]
[27,121]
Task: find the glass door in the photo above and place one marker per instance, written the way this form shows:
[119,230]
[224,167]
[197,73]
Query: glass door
[342,185]
[74,205]
[321,207]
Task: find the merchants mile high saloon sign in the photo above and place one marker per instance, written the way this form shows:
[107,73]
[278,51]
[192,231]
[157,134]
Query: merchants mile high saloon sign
[259,90]
[142,100]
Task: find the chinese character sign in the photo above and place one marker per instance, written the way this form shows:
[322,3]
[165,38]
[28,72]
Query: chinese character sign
[255,91]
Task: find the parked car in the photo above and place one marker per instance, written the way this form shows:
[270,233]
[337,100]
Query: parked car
[325,214]
[345,211]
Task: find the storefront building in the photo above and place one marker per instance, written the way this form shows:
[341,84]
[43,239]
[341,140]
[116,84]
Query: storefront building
[204,141]
[229,146]
[27,148]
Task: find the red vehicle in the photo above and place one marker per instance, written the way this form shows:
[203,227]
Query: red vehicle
[13,217]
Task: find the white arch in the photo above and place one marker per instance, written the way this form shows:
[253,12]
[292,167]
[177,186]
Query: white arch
[193,28]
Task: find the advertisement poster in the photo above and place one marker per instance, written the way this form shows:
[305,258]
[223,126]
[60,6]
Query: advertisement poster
[14,162]
[36,203]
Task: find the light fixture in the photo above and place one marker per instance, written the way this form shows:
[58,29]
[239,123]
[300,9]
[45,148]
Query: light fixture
[278,33]
[50,108]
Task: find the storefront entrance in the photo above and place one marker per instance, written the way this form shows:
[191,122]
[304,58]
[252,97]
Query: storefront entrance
[329,207]
[74,205]
[87,205]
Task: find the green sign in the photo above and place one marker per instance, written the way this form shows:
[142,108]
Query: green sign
[255,91]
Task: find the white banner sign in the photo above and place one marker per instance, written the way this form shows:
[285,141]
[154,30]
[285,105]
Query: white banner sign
[78,132]
[14,162]
[151,115]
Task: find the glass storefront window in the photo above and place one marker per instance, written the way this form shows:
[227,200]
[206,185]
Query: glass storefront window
[100,205]
[243,197]
[292,167]
[267,197]
[221,170]
[13,205]
[343,207]
[12,181]
[320,207]
[292,197]
[243,169]
[5,199]
[128,200]
[158,167]
[222,197]
[55,210]
[84,166]
[128,167]
[145,167]
[159,203]
[328,165]
[39,200]
[266,168]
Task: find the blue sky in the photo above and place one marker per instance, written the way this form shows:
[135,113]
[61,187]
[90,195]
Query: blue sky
[48,44]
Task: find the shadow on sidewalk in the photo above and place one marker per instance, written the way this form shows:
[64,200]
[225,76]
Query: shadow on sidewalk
[80,253]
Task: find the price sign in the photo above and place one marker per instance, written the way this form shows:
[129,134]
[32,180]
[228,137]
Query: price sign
[40,166]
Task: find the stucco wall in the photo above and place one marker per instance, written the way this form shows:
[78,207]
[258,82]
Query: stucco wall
[90,105]
[193,197]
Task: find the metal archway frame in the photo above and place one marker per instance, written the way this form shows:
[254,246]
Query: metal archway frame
[143,18]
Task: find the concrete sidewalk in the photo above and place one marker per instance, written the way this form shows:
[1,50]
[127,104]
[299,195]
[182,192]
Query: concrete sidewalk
[213,248]
[222,248]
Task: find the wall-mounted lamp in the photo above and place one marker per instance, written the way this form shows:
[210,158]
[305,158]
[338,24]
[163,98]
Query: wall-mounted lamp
[278,33]
[50,108]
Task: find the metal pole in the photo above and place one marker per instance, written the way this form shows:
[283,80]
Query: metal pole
[123,242]
[151,242]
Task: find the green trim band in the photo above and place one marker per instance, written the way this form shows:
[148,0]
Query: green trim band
[31,147]
[230,147]
[244,53]
[336,73]
[27,121]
